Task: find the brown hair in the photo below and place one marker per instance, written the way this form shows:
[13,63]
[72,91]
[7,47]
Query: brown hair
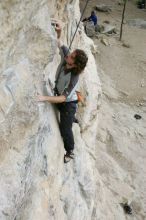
[80,60]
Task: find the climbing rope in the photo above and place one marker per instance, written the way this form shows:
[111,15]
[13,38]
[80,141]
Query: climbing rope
[78,25]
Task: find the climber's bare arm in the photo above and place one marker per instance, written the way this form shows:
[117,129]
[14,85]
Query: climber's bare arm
[51,99]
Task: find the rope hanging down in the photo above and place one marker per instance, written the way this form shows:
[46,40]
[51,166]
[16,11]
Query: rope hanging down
[78,25]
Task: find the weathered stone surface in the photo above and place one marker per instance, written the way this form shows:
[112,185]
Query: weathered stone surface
[34,183]
[137,22]
[103,8]
[90,29]
[104,41]
[126,45]
[108,29]
[6,99]
[99,28]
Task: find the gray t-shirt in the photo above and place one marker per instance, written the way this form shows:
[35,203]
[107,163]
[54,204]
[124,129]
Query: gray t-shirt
[66,79]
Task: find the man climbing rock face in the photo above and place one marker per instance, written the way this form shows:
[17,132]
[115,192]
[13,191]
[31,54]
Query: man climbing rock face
[65,95]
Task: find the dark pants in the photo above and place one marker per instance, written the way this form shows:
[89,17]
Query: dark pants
[67,114]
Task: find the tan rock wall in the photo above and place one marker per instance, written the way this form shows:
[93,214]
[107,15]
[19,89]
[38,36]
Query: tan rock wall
[34,182]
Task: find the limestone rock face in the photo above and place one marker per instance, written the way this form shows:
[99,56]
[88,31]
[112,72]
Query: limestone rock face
[90,29]
[34,182]
[137,22]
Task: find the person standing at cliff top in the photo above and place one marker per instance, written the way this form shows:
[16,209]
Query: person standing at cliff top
[92,18]
[65,97]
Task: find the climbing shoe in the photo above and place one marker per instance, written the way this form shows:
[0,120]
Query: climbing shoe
[68,156]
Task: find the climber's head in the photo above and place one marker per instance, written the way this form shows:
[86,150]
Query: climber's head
[77,60]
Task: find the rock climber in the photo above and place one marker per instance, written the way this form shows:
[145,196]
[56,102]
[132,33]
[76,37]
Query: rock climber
[71,66]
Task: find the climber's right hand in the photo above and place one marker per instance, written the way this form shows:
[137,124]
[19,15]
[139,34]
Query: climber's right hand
[58,30]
